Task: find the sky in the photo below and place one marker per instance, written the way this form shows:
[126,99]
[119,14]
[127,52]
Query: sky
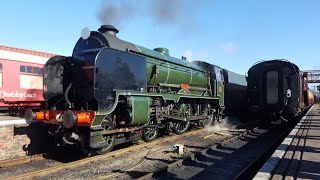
[232,34]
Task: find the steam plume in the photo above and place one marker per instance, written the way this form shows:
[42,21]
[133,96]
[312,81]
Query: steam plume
[176,13]
[116,14]
[165,11]
[226,124]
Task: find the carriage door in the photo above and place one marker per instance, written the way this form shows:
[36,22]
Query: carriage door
[272,87]
[220,85]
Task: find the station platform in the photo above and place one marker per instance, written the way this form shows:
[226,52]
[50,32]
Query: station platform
[14,137]
[6,119]
[298,157]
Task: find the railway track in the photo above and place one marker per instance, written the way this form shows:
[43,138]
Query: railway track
[140,166]
[21,160]
[180,163]
[38,157]
[60,167]
[239,157]
[219,158]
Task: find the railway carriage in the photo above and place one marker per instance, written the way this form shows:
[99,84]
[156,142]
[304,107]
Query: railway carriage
[235,94]
[21,78]
[277,89]
[111,91]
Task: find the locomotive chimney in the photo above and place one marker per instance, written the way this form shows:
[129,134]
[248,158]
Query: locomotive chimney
[108,29]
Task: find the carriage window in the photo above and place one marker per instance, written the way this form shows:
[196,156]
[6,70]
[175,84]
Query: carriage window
[30,77]
[36,70]
[0,67]
[22,69]
[29,69]
[41,71]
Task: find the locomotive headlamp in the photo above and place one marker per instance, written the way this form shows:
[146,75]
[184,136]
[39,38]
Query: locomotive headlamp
[69,119]
[59,117]
[85,34]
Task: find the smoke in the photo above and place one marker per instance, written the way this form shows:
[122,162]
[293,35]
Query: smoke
[173,14]
[116,14]
[167,12]
[226,124]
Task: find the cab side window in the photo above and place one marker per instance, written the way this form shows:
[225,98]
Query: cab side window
[219,74]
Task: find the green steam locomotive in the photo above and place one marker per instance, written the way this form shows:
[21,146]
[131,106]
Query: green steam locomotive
[111,91]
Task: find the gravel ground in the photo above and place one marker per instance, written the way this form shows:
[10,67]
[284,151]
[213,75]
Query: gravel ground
[136,163]
[228,160]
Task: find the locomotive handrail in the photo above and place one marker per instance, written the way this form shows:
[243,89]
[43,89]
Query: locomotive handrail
[179,86]
[87,51]
[148,55]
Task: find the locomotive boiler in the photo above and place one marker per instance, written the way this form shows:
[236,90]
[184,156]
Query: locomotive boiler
[112,91]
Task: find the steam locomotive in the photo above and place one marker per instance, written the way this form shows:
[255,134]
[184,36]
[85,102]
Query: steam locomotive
[111,91]
[277,89]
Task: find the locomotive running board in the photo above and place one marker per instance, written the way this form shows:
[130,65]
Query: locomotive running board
[122,130]
[184,118]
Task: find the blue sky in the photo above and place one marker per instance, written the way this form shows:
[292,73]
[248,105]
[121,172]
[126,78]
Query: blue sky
[232,34]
